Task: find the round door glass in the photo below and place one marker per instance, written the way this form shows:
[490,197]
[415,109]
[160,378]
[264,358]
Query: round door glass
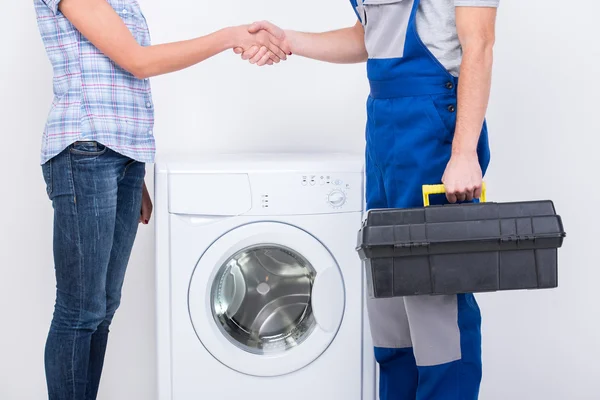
[261,299]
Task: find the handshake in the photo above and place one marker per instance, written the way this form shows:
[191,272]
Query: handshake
[262,43]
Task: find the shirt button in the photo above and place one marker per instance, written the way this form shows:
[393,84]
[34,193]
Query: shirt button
[449,85]
[451,108]
[124,11]
[148,105]
[150,133]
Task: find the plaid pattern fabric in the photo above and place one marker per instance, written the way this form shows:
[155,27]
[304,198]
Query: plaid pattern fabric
[95,99]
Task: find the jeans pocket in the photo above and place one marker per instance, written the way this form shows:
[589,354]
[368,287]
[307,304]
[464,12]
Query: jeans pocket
[47,172]
[88,149]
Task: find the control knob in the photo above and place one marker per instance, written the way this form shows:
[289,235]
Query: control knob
[336,198]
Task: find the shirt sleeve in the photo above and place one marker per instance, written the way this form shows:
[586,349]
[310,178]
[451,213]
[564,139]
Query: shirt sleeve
[476,3]
[52,5]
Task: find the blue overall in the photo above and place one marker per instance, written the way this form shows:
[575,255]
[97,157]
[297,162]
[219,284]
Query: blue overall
[427,347]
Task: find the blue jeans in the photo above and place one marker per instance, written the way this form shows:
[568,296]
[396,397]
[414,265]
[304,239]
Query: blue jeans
[96,195]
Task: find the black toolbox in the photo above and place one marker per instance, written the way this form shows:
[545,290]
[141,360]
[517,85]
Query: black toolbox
[465,248]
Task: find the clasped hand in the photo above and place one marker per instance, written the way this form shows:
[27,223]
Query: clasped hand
[263,43]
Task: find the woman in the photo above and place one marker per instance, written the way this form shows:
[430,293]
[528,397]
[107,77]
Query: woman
[96,142]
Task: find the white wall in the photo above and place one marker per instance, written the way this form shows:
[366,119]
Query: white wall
[543,121]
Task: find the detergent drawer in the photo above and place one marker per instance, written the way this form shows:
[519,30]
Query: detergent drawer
[209,194]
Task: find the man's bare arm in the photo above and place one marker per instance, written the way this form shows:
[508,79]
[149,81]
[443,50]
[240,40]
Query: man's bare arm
[342,46]
[476,32]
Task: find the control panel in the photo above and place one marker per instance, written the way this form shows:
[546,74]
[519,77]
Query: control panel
[336,187]
[265,193]
[306,193]
[314,180]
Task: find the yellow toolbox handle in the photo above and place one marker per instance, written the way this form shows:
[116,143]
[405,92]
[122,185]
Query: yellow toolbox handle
[428,190]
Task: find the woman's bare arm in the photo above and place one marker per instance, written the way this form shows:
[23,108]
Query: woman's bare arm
[102,26]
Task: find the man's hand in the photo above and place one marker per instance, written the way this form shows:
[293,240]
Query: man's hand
[463,178]
[261,55]
[146,211]
[267,47]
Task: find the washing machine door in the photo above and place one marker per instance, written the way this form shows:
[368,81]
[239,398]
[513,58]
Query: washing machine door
[266,299]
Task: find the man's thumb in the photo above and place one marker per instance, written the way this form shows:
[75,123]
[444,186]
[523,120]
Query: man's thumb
[255,27]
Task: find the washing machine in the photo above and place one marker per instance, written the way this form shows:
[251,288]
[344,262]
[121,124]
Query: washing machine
[260,292]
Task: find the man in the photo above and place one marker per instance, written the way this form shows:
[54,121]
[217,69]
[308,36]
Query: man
[424,126]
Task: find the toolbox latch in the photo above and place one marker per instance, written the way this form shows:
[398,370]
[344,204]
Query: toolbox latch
[517,238]
[509,239]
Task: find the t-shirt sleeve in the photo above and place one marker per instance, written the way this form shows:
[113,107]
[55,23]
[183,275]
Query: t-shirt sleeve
[52,5]
[476,3]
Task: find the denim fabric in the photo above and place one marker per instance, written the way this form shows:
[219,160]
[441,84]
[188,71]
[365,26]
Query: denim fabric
[96,194]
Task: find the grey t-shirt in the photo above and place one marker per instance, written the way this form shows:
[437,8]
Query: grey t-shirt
[436,25]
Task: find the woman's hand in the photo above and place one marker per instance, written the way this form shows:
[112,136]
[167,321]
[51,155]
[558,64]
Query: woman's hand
[265,47]
[258,55]
[146,211]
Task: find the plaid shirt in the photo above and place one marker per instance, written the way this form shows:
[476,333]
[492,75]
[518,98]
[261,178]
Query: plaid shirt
[95,99]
